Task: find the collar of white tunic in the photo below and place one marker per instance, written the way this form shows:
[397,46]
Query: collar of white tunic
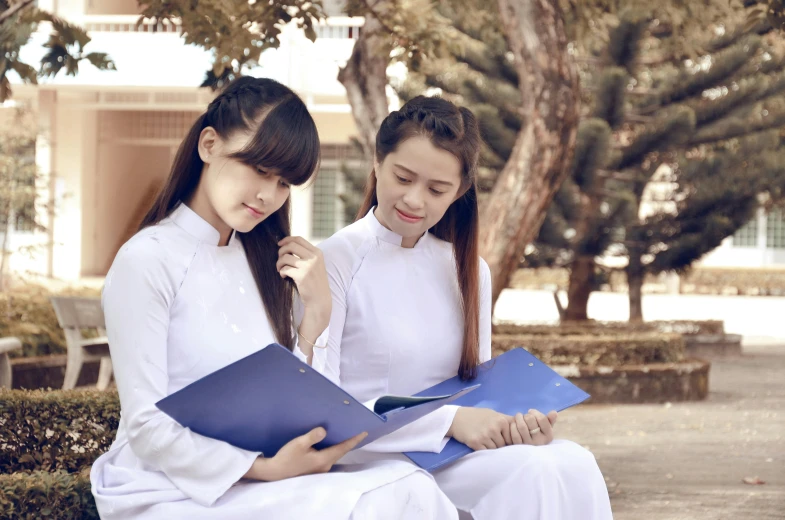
[190,222]
[387,235]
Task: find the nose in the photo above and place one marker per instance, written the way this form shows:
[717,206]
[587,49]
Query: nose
[266,190]
[413,198]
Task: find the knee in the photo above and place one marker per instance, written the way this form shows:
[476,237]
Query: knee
[558,461]
[573,456]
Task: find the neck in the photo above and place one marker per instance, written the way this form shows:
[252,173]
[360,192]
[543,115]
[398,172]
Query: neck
[406,242]
[202,207]
[410,242]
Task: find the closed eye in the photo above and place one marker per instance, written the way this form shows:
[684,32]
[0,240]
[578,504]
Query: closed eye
[437,192]
[402,180]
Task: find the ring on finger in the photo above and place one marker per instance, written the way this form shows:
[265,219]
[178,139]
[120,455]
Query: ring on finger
[534,431]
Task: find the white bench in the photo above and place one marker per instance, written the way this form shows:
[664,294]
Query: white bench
[7,345]
[75,315]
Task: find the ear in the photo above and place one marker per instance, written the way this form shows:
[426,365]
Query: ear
[375,170]
[462,190]
[209,142]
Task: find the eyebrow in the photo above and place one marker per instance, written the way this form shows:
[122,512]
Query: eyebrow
[407,170]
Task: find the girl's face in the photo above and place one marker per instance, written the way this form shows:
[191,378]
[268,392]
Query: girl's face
[415,185]
[232,195]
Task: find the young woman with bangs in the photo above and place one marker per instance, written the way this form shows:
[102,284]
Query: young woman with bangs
[211,277]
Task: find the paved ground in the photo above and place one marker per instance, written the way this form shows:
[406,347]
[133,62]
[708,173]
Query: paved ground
[688,460]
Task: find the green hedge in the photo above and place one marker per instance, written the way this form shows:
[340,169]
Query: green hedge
[604,328]
[716,280]
[596,350]
[55,430]
[700,280]
[41,494]
[27,313]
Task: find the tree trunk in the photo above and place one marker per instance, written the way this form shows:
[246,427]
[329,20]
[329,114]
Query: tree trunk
[580,288]
[514,211]
[635,274]
[5,253]
[365,78]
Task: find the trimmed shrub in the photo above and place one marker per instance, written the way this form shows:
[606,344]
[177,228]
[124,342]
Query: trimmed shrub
[596,350]
[55,430]
[591,327]
[40,494]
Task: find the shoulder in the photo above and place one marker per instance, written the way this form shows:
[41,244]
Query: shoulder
[485,270]
[445,250]
[158,255]
[485,275]
[346,243]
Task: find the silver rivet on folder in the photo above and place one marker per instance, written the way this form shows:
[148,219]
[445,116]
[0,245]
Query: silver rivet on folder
[346,402]
[531,364]
[302,370]
[558,384]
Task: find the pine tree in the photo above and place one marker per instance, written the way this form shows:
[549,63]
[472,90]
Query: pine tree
[647,112]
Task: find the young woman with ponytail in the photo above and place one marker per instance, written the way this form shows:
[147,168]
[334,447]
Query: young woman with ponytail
[209,279]
[412,307]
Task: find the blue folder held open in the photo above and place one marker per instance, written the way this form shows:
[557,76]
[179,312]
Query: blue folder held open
[514,382]
[268,398]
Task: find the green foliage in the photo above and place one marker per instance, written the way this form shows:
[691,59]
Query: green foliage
[55,430]
[589,348]
[235,32]
[41,494]
[65,47]
[18,172]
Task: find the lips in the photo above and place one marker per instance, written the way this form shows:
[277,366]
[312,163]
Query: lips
[406,217]
[253,211]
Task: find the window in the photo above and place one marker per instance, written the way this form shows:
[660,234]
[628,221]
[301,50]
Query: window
[326,210]
[333,196]
[17,186]
[747,235]
[775,229]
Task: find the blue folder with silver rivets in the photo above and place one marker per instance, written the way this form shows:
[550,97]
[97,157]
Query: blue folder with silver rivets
[261,402]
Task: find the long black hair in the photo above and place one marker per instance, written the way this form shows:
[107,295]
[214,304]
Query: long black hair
[455,130]
[285,139]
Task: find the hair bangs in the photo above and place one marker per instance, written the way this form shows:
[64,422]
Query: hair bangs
[285,141]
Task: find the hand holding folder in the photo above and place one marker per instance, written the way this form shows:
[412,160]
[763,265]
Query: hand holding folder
[514,382]
[268,398]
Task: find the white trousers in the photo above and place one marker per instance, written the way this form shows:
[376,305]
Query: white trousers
[414,497]
[560,481]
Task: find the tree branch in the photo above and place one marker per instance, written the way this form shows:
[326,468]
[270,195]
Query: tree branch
[384,25]
[11,11]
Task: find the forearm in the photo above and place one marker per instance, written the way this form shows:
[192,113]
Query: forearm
[262,469]
[314,323]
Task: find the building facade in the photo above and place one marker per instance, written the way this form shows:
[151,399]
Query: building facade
[107,138]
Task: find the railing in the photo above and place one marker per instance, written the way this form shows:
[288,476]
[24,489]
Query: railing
[336,27]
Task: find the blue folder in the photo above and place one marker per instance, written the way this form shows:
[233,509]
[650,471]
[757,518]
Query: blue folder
[514,382]
[266,399]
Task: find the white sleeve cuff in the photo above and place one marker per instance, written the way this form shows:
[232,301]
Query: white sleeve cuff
[428,433]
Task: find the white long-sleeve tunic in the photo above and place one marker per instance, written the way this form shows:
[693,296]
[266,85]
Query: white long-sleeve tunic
[397,323]
[397,327]
[177,308]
